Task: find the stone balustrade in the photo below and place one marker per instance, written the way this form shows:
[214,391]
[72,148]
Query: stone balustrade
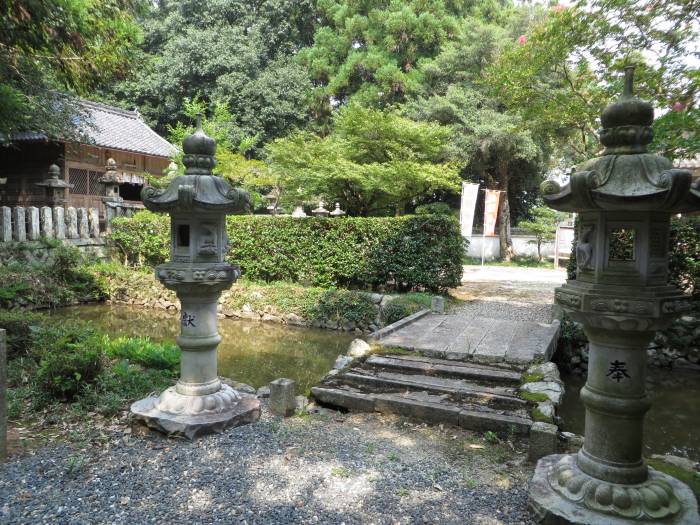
[31,223]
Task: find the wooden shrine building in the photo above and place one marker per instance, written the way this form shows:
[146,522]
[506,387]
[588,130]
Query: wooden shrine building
[112,133]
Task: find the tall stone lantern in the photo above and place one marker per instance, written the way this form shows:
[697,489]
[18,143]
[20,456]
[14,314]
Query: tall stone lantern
[197,203]
[110,182]
[621,296]
[55,187]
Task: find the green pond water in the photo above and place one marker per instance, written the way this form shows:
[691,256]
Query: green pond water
[250,352]
[672,425]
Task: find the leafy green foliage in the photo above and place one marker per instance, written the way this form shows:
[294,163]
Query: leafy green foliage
[684,261]
[434,208]
[373,162]
[422,252]
[59,45]
[20,326]
[143,351]
[70,357]
[543,226]
[143,238]
[560,75]
[339,305]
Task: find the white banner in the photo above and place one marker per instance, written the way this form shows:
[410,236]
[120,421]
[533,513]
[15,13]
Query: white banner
[466,210]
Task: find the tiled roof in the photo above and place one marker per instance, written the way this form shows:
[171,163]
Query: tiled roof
[115,128]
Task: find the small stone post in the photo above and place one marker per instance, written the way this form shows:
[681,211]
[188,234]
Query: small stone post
[34,228]
[47,222]
[5,224]
[197,203]
[83,228]
[72,222]
[94,221]
[437,304]
[59,222]
[20,223]
[3,394]
[282,397]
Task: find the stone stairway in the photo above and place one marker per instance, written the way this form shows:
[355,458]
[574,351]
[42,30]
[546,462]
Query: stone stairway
[469,395]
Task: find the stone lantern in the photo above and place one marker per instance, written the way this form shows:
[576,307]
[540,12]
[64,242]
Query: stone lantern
[55,187]
[197,203]
[624,199]
[337,212]
[110,182]
[320,211]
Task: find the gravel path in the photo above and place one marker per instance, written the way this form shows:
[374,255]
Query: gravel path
[359,468]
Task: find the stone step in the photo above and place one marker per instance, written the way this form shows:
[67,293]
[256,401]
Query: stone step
[414,364]
[458,390]
[422,406]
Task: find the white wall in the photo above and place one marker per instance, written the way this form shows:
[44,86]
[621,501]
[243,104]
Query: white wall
[521,245]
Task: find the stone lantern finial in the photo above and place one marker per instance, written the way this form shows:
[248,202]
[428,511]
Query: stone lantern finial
[621,297]
[199,152]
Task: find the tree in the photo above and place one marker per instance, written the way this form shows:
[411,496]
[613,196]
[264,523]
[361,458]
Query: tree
[543,226]
[52,48]
[373,162]
[235,53]
[561,74]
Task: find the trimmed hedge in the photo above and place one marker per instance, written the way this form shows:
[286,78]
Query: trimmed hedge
[401,253]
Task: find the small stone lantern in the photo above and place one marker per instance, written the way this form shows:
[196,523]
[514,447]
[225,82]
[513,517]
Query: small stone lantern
[621,296]
[337,212]
[55,187]
[110,182]
[197,203]
[320,211]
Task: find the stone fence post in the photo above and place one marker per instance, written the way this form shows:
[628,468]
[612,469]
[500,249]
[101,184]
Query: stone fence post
[20,223]
[83,229]
[46,222]
[94,221]
[59,222]
[72,221]
[3,394]
[34,227]
[5,224]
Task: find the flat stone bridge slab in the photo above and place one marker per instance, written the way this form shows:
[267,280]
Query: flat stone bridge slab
[465,337]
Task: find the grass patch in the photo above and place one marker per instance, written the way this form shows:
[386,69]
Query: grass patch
[340,472]
[142,351]
[516,262]
[379,350]
[537,415]
[533,397]
[692,479]
[531,377]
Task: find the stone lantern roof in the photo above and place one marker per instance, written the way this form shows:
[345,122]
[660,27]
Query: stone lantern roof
[54,180]
[198,189]
[626,176]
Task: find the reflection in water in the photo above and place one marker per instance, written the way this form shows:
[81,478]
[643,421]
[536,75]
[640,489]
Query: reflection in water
[251,352]
[672,425]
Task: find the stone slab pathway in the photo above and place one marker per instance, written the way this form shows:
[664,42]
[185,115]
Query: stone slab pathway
[506,319]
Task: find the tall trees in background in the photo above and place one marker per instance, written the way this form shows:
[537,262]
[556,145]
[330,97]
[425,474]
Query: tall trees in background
[232,53]
[49,47]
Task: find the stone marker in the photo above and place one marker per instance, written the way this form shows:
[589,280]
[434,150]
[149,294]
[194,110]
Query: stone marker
[543,441]
[282,397]
[437,304]
[94,221]
[83,226]
[72,223]
[59,222]
[197,203]
[47,222]
[33,223]
[624,200]
[3,394]
[19,221]
[5,224]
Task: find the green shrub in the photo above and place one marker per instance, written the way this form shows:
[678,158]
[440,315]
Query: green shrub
[338,305]
[70,357]
[143,351]
[20,326]
[143,238]
[434,208]
[415,252]
[394,311]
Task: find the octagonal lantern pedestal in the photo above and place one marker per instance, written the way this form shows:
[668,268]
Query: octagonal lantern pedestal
[621,297]
[197,203]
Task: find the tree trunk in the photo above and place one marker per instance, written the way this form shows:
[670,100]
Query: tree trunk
[504,238]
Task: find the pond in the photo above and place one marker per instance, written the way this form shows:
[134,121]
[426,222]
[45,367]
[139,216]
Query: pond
[672,425]
[251,352]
